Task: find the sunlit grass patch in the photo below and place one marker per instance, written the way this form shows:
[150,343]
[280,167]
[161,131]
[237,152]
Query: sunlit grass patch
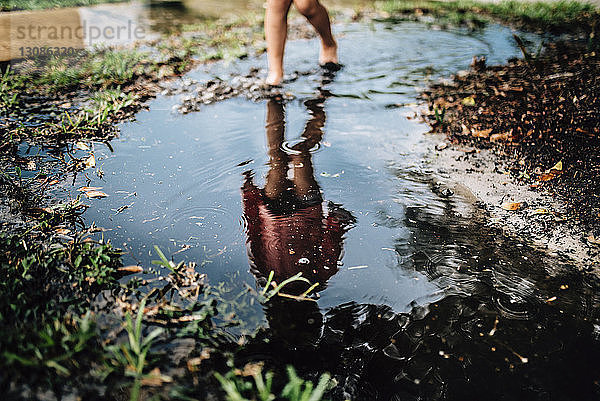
[115,67]
[253,384]
[8,5]
[561,14]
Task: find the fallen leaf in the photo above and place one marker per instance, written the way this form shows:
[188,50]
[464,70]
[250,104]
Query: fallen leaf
[554,172]
[95,194]
[468,101]
[593,240]
[540,211]
[548,176]
[252,369]
[155,378]
[499,137]
[131,269]
[87,189]
[82,146]
[558,166]
[481,133]
[63,231]
[193,363]
[511,206]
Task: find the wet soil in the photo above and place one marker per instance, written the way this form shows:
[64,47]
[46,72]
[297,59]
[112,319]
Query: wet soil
[540,116]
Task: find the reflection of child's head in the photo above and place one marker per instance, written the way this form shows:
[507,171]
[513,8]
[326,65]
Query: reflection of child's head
[298,323]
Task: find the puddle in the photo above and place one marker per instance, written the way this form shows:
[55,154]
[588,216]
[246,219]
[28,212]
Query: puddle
[426,301]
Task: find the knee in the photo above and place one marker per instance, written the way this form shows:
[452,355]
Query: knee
[308,8]
[279,7]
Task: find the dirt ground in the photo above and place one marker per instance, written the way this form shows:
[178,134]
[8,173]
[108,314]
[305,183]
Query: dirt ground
[525,139]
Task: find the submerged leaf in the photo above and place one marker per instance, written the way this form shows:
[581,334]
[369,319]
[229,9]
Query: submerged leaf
[95,194]
[88,189]
[90,161]
[131,269]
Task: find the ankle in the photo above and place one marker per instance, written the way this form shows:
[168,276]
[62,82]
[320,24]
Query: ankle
[331,44]
[274,77]
[328,53]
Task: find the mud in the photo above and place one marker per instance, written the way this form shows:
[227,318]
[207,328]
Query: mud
[526,133]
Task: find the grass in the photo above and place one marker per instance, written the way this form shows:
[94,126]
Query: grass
[132,357]
[107,104]
[239,387]
[9,5]
[10,84]
[48,334]
[114,67]
[537,15]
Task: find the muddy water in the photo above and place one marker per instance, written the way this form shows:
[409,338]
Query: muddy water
[419,298]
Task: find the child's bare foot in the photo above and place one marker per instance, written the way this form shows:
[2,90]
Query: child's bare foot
[274,78]
[328,54]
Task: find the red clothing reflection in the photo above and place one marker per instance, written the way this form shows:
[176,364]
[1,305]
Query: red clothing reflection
[288,231]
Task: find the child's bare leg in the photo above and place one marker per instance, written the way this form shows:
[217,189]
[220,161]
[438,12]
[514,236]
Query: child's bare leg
[319,18]
[276,35]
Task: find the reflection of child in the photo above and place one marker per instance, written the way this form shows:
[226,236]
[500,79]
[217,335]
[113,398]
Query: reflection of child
[288,232]
[276,33]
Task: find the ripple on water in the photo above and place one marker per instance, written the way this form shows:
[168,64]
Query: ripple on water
[288,147]
[214,223]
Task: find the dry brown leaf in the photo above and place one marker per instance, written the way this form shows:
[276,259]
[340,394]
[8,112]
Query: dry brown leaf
[252,369]
[193,363]
[87,189]
[63,231]
[554,172]
[499,137]
[511,206]
[95,194]
[593,240]
[131,269]
[481,133]
[155,378]
[548,176]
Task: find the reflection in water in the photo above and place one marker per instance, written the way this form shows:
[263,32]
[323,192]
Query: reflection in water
[495,334]
[490,338]
[287,229]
